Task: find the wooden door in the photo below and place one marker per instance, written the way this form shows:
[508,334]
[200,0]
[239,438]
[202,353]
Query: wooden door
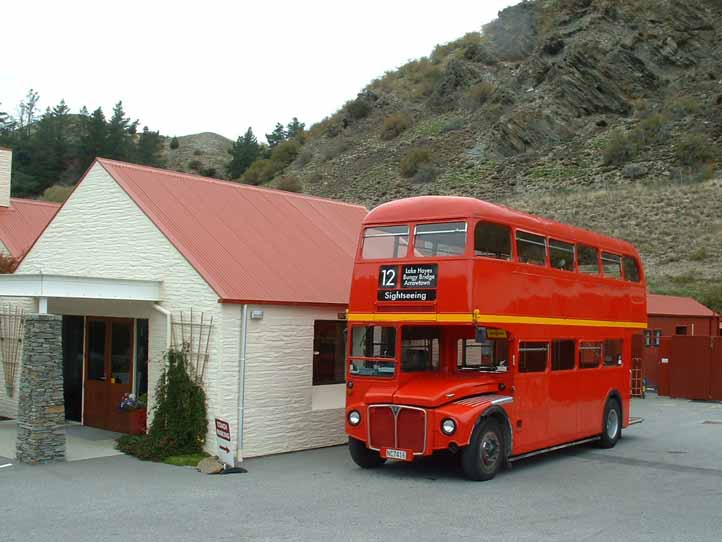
[109,371]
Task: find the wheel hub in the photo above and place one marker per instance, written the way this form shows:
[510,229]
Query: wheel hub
[612,423]
[489,449]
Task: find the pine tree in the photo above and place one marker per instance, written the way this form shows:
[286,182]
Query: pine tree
[94,141]
[120,134]
[296,130]
[149,149]
[243,153]
[278,135]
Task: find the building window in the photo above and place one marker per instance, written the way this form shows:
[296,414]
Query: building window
[680,330]
[533,357]
[562,355]
[329,352]
[531,248]
[561,255]
[657,337]
[492,241]
[590,355]
[612,352]
[588,260]
[647,337]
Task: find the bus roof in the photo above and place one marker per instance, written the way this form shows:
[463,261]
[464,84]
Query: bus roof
[434,208]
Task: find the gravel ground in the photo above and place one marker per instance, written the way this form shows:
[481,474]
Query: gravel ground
[663,481]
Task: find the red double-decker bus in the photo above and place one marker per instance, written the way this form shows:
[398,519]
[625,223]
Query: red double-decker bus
[488,332]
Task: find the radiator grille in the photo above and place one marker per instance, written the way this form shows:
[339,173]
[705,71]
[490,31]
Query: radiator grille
[405,429]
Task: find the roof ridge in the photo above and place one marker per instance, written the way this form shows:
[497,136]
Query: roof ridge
[231,184]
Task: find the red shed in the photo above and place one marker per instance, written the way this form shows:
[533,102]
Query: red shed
[672,315]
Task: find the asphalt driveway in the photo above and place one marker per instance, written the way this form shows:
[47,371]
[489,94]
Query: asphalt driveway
[662,482]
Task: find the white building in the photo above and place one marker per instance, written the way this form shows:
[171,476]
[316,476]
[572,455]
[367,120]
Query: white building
[134,249]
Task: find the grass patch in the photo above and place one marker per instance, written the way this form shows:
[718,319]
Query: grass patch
[188,460]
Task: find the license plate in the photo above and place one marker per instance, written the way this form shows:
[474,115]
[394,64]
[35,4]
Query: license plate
[402,455]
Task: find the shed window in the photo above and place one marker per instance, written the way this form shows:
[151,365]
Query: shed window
[492,241]
[612,352]
[680,330]
[657,337]
[588,260]
[612,265]
[561,255]
[631,269]
[329,352]
[647,337]
[533,357]
[447,239]
[590,355]
[562,355]
[531,248]
[384,242]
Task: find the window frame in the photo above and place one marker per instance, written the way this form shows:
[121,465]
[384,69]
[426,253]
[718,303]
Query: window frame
[437,338]
[413,233]
[512,247]
[578,251]
[580,348]
[371,227]
[547,363]
[621,353]
[551,240]
[603,259]
[517,252]
[637,265]
[574,356]
[337,324]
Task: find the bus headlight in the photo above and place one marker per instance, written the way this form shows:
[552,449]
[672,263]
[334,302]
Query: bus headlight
[448,426]
[354,418]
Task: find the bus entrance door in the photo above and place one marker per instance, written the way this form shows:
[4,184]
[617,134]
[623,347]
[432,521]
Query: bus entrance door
[530,396]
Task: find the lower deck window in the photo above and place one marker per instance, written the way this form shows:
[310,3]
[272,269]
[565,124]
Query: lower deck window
[590,355]
[562,355]
[487,355]
[613,352]
[420,348]
[533,357]
[329,352]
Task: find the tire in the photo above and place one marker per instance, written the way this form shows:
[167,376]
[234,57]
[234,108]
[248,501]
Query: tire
[484,455]
[362,456]
[611,424]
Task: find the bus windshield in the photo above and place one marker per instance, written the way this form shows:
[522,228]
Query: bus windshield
[420,348]
[373,349]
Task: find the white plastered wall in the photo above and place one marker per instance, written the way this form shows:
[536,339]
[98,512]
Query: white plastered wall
[101,232]
[284,412]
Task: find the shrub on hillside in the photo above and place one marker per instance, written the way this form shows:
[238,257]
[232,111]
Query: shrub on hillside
[694,150]
[304,157]
[651,129]
[359,108]
[394,125]
[683,107]
[57,193]
[481,92]
[619,149]
[289,184]
[284,153]
[334,149]
[412,162]
[426,173]
[174,143]
[195,165]
[259,172]
[180,420]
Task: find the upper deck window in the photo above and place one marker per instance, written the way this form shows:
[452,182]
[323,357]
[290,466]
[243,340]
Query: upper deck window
[631,269]
[561,255]
[588,260]
[385,242]
[492,241]
[531,248]
[446,239]
[612,265]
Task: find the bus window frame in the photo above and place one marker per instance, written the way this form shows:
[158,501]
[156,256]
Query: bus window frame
[602,252]
[360,248]
[574,269]
[517,362]
[515,242]
[640,271]
[512,236]
[411,254]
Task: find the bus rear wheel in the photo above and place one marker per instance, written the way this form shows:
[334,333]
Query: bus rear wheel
[362,456]
[484,455]
[611,424]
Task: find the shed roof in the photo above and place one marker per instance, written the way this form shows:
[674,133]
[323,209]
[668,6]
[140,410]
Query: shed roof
[670,305]
[250,244]
[23,222]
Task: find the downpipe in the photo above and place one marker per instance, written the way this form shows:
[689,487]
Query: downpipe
[242,379]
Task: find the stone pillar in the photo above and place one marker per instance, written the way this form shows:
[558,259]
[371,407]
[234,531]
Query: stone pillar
[41,406]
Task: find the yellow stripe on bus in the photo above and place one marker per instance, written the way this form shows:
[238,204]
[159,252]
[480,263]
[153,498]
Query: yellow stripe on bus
[466,318]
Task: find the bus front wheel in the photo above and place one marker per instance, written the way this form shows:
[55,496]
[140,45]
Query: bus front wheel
[484,455]
[362,456]
[611,424]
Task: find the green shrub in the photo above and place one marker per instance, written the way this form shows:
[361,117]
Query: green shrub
[683,107]
[394,125]
[453,124]
[197,152]
[619,149]
[304,157]
[57,193]
[259,172]
[651,129]
[289,184]
[180,420]
[174,143]
[698,255]
[694,150]
[334,149]
[425,173]
[413,160]
[359,108]
[195,165]
[481,92]
[284,153]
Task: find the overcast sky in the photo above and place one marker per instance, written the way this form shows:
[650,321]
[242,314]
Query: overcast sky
[187,67]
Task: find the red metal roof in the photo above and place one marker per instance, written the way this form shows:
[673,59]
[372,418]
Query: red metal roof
[434,208]
[670,305]
[22,223]
[250,244]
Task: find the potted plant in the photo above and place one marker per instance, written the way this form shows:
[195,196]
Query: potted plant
[136,412]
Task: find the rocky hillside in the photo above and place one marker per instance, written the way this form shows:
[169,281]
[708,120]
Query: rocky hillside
[603,113]
[205,153]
